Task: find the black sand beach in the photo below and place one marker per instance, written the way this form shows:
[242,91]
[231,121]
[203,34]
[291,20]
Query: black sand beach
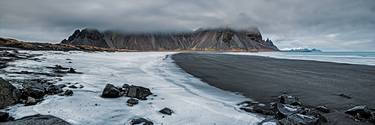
[261,78]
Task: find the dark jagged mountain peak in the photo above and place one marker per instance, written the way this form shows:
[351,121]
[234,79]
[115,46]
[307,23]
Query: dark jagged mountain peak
[211,39]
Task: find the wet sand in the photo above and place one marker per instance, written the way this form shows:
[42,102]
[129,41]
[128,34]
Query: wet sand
[263,79]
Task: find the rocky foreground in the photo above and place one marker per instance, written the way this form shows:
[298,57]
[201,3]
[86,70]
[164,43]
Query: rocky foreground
[16,44]
[43,84]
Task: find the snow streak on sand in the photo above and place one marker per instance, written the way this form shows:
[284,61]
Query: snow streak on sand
[193,101]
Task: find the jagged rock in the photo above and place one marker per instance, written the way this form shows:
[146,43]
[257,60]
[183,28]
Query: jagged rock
[110,91]
[9,94]
[68,92]
[138,92]
[284,110]
[4,117]
[30,101]
[132,102]
[33,90]
[138,121]
[166,111]
[316,114]
[210,39]
[287,99]
[37,120]
[299,119]
[323,109]
[361,113]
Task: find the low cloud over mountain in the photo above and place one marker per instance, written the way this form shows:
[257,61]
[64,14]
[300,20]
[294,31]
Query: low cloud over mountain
[324,24]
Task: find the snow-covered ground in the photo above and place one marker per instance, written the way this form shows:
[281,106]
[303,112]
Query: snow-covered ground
[193,101]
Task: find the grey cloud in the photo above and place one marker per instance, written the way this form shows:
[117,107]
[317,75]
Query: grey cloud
[326,24]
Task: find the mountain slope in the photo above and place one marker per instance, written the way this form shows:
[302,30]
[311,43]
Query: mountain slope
[220,39]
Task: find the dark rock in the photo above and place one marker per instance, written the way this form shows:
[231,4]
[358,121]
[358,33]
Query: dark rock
[361,113]
[73,86]
[61,86]
[71,70]
[299,119]
[287,99]
[345,96]
[340,118]
[323,109]
[33,92]
[9,94]
[37,120]
[58,67]
[265,109]
[110,91]
[140,121]
[125,86]
[132,102]
[284,110]
[3,65]
[30,101]
[166,111]
[4,117]
[54,89]
[68,92]
[316,114]
[138,92]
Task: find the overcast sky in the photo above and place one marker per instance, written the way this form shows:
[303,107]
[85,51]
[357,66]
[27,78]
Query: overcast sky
[331,25]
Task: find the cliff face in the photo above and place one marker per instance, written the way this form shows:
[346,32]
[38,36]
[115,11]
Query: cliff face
[211,40]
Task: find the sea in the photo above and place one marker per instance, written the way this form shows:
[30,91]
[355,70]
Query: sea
[362,58]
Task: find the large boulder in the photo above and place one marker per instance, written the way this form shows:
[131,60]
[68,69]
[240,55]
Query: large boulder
[35,90]
[111,91]
[138,92]
[37,120]
[362,113]
[9,94]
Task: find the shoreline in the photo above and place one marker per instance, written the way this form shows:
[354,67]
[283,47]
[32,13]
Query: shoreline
[263,79]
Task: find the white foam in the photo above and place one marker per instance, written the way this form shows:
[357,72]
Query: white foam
[193,101]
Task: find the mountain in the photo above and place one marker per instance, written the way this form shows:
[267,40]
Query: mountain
[219,39]
[302,50]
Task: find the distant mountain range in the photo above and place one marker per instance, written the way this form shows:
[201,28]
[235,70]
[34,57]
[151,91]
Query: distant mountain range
[219,39]
[302,50]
